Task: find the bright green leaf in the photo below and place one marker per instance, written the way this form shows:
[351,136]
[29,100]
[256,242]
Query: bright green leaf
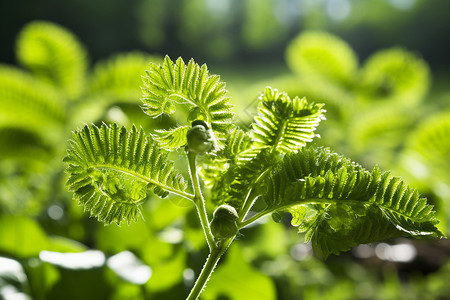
[350,205]
[112,170]
[323,55]
[191,85]
[284,125]
[55,55]
[21,237]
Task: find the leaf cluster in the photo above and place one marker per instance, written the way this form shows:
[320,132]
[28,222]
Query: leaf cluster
[336,202]
[53,91]
[204,97]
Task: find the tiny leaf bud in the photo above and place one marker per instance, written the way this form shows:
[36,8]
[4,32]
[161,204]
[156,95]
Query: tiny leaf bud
[224,222]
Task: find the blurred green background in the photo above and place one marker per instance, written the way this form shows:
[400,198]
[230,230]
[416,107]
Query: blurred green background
[381,67]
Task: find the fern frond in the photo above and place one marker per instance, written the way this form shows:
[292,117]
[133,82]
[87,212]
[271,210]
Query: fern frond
[119,77]
[431,141]
[29,104]
[215,165]
[338,101]
[171,139]
[395,75]
[377,133]
[338,228]
[426,156]
[323,55]
[55,55]
[284,125]
[238,142]
[177,83]
[339,188]
[229,172]
[112,169]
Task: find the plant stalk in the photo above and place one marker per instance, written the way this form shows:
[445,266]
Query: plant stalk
[250,198]
[199,201]
[206,272]
[208,268]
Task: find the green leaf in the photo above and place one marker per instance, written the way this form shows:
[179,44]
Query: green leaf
[29,104]
[168,272]
[323,55]
[54,55]
[351,230]
[395,75]
[284,125]
[428,147]
[351,205]
[215,165]
[21,237]
[190,85]
[239,178]
[378,132]
[112,169]
[173,138]
[230,171]
[62,244]
[114,238]
[237,142]
[119,77]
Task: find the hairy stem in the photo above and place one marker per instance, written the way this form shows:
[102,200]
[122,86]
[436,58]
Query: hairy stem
[206,272]
[199,201]
[208,268]
[216,249]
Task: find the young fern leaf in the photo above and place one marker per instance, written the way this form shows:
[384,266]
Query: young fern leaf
[112,169]
[336,228]
[429,145]
[349,205]
[171,139]
[215,165]
[30,104]
[204,95]
[321,55]
[230,171]
[118,78]
[284,125]
[54,55]
[395,75]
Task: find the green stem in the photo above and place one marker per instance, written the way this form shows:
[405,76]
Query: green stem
[216,249]
[250,198]
[144,178]
[248,203]
[208,268]
[253,218]
[199,201]
[206,272]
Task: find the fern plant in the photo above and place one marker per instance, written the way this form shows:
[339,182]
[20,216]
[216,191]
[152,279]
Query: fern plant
[242,175]
[41,102]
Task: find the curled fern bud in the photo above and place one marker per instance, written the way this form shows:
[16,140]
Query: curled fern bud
[224,222]
[200,138]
